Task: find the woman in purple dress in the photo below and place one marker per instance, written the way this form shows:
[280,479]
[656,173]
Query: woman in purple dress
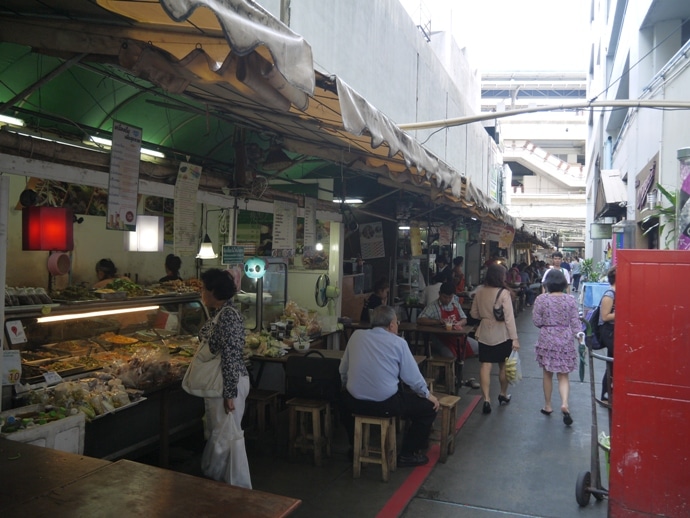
[555,314]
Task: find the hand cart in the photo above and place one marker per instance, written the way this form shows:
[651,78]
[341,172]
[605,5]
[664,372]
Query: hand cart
[589,482]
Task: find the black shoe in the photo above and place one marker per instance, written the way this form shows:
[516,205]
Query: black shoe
[567,419]
[409,461]
[504,400]
[487,408]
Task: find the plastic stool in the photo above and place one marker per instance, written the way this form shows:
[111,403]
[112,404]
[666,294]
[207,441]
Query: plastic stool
[259,404]
[316,440]
[447,366]
[385,455]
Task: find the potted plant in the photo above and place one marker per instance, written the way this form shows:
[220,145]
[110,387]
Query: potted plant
[662,216]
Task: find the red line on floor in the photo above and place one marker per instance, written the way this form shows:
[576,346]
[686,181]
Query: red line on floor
[397,503]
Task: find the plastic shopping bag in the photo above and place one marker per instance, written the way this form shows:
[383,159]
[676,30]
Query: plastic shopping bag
[225,457]
[513,368]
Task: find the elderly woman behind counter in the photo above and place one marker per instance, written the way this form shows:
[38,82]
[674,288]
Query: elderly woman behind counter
[106,273]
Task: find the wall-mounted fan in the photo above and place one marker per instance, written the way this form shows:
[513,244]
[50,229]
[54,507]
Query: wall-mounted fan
[324,292]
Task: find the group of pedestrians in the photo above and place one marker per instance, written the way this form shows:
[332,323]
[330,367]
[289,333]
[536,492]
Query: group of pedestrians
[376,359]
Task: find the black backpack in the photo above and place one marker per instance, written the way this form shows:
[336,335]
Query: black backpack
[594,340]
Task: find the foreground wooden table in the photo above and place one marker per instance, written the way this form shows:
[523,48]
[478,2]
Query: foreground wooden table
[43,482]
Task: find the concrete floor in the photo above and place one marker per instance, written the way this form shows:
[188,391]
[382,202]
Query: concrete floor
[514,461]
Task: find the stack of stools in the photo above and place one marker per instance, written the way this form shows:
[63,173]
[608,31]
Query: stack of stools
[263,404]
[449,416]
[302,411]
[384,453]
[445,367]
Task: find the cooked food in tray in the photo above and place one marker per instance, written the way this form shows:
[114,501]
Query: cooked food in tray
[114,338]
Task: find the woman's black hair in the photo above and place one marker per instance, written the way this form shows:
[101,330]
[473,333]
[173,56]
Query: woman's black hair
[458,261]
[173,263]
[495,275]
[107,267]
[381,284]
[220,283]
[611,275]
[555,281]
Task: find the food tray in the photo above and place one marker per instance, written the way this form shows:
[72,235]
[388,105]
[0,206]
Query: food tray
[123,407]
[116,295]
[36,358]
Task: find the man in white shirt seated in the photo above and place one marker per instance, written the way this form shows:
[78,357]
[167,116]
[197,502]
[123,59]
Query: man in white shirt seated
[374,362]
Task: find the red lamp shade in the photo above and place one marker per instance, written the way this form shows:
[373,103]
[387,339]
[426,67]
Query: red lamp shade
[47,228]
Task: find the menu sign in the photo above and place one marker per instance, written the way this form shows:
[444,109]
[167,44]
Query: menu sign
[123,182]
[310,222]
[284,228]
[504,234]
[186,187]
[371,240]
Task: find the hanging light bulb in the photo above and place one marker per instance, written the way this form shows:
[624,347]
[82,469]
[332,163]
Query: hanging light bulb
[206,249]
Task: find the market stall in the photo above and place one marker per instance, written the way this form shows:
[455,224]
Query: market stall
[119,362]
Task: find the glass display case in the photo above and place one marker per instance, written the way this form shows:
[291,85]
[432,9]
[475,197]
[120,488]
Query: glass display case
[409,279]
[143,343]
[262,301]
[85,336]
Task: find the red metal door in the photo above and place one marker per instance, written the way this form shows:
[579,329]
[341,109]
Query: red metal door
[650,435]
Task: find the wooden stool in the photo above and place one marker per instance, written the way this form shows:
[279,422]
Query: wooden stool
[447,366]
[259,404]
[302,409]
[385,455]
[449,416]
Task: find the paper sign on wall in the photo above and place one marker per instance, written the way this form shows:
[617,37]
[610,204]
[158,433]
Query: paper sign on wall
[504,234]
[123,181]
[15,332]
[11,367]
[186,227]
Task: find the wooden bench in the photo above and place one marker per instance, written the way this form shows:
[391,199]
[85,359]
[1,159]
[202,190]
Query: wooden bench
[260,405]
[449,416]
[385,453]
[446,367]
[300,410]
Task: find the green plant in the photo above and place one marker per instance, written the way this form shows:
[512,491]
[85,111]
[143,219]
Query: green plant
[663,217]
[587,269]
[591,271]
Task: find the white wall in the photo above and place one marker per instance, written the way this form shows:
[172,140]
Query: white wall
[376,48]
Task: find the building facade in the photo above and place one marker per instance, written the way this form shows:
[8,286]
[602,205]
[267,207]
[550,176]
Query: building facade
[639,52]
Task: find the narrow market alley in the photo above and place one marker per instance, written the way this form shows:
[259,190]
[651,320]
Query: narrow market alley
[514,461]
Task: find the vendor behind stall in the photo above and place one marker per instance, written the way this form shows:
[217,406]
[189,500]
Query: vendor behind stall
[376,299]
[172,268]
[106,273]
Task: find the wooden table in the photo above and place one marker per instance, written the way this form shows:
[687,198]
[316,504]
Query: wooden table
[327,353]
[439,330]
[43,482]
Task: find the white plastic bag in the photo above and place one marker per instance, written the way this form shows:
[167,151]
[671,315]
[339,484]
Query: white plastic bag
[513,368]
[225,456]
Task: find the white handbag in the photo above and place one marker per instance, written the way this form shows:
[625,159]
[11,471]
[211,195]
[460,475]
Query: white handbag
[204,377]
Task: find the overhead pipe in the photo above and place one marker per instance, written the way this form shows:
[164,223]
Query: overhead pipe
[459,121]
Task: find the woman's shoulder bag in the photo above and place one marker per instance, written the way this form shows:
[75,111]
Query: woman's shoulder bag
[498,311]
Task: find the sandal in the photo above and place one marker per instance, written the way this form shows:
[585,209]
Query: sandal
[472,383]
[567,420]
